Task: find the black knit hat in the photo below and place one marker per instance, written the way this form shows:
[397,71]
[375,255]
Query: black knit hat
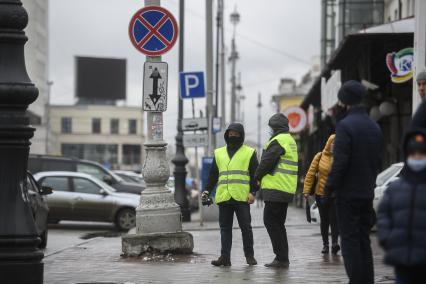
[415,141]
[351,93]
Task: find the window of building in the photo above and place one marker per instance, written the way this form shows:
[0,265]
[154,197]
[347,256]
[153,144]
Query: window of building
[83,185]
[131,154]
[66,125]
[132,126]
[395,15]
[114,125]
[56,183]
[96,125]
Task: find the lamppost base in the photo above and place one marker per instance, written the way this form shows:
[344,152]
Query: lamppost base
[23,272]
[176,243]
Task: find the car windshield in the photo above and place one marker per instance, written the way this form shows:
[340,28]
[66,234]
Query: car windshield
[105,186]
[387,174]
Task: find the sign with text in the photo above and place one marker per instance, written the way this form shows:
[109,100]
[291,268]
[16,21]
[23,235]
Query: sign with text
[195,140]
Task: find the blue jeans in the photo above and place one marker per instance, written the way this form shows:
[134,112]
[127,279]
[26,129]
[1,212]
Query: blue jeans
[226,219]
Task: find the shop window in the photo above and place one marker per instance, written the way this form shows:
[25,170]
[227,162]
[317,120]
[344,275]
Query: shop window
[131,154]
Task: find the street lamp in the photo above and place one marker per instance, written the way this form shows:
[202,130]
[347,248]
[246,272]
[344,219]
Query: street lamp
[20,259]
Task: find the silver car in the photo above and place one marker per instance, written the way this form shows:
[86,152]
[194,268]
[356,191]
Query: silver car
[82,197]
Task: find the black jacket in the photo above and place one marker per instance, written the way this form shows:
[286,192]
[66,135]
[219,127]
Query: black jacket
[214,170]
[419,118]
[401,219]
[357,156]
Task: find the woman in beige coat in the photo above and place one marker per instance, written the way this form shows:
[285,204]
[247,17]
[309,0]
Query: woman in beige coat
[318,173]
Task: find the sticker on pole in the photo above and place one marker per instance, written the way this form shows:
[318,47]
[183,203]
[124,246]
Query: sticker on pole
[155,86]
[153,30]
[297,118]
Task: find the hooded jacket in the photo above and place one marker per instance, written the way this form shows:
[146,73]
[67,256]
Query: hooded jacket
[232,149]
[321,164]
[401,217]
[270,158]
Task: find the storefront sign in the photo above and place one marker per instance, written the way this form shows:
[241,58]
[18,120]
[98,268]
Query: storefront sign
[329,90]
[400,64]
[297,118]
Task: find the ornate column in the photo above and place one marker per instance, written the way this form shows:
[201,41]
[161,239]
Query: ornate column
[20,259]
[158,217]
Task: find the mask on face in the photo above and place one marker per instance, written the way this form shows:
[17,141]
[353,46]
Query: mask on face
[234,141]
[270,131]
[416,165]
[340,112]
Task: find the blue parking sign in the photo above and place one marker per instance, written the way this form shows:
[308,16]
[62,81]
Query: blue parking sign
[192,85]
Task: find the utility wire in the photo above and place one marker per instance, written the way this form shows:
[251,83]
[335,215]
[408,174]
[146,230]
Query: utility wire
[253,41]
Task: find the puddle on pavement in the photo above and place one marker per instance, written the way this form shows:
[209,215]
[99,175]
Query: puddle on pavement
[154,257]
[107,234]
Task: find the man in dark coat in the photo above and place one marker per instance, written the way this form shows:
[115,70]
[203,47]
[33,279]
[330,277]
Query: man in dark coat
[402,213]
[419,118]
[234,137]
[357,160]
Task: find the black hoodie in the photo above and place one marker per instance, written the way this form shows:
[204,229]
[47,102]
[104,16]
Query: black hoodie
[214,171]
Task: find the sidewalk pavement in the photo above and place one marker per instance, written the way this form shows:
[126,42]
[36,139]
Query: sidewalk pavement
[99,260]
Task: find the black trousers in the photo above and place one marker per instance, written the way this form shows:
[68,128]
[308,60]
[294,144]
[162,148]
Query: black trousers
[226,219]
[355,221]
[274,216]
[328,220]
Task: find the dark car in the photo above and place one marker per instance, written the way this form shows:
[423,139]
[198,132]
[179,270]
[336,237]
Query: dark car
[39,207]
[46,163]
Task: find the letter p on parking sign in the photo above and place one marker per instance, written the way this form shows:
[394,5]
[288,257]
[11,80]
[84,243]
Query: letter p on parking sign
[192,85]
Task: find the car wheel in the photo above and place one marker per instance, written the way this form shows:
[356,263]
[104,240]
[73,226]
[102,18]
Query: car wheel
[126,219]
[43,238]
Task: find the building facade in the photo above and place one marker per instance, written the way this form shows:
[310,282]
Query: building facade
[396,10]
[37,63]
[110,135]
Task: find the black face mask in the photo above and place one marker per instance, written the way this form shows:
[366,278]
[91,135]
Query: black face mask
[340,112]
[234,141]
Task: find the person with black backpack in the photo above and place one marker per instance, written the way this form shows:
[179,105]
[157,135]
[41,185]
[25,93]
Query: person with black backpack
[314,184]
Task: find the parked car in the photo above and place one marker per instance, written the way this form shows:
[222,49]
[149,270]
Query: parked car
[383,180]
[382,183]
[39,207]
[83,197]
[129,176]
[44,163]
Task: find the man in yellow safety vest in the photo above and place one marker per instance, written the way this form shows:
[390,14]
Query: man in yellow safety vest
[277,175]
[232,173]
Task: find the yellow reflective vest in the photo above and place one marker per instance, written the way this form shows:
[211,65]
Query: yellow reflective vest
[284,177]
[234,176]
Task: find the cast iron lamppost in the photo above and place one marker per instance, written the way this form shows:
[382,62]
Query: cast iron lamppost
[180,160]
[20,259]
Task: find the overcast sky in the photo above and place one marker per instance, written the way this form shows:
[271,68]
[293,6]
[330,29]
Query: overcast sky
[269,31]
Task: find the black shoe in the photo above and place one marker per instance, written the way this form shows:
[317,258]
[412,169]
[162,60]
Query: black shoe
[325,250]
[278,264]
[251,260]
[335,249]
[222,261]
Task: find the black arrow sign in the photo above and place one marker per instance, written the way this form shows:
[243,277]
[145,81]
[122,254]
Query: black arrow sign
[155,76]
